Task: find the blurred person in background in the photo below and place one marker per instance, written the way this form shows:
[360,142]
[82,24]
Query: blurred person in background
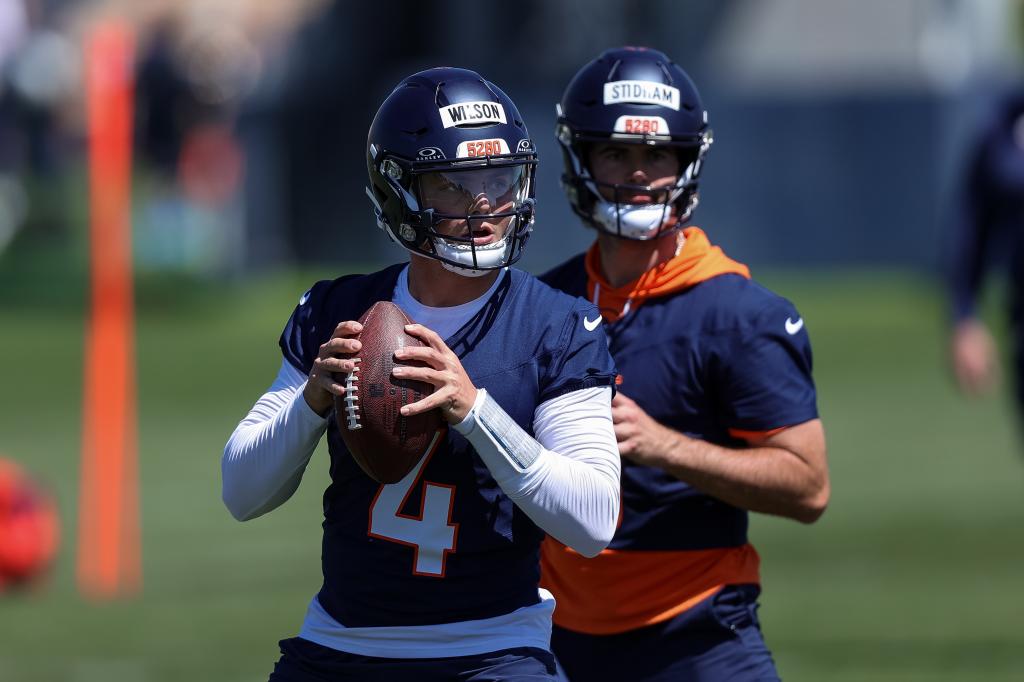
[166,106]
[988,230]
[436,577]
[715,413]
[38,77]
[193,72]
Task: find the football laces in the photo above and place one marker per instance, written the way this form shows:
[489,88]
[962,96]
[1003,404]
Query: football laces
[352,397]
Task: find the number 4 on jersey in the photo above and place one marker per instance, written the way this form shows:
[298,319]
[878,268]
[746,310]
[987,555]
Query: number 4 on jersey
[431,534]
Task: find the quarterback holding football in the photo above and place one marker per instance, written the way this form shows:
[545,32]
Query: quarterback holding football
[436,575]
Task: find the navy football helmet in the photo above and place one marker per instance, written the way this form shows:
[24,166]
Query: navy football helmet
[448,148]
[632,95]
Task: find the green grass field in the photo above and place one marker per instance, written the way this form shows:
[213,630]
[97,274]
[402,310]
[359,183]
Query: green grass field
[914,573]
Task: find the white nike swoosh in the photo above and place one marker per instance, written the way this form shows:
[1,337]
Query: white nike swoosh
[793,327]
[591,325]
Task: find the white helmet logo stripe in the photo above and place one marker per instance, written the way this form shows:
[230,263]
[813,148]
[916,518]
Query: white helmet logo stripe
[472,113]
[641,92]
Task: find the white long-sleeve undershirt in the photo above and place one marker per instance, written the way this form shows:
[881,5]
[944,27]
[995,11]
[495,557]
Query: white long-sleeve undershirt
[267,453]
[571,487]
[571,490]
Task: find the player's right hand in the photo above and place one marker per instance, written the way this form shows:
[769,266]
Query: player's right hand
[323,383]
[454,392]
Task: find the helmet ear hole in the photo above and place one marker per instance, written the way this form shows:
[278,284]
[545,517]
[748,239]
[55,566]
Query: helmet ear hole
[408,234]
[687,156]
[583,150]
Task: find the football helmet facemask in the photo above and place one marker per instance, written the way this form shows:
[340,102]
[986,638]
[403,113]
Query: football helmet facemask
[632,95]
[451,168]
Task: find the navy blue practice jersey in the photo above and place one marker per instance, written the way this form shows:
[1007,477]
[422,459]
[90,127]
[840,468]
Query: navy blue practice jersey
[990,213]
[719,360]
[446,544]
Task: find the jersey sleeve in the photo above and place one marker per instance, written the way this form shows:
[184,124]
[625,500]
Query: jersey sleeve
[974,223]
[300,340]
[764,377]
[582,359]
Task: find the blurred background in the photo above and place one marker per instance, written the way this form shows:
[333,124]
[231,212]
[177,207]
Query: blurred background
[842,133]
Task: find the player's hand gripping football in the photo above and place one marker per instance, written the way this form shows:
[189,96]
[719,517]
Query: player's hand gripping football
[322,385]
[641,438]
[454,393]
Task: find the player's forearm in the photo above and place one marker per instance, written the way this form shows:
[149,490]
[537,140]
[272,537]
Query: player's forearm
[567,480]
[769,480]
[266,455]
[574,502]
[971,236]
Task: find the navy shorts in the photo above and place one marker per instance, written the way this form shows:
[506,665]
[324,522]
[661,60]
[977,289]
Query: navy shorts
[305,661]
[719,639]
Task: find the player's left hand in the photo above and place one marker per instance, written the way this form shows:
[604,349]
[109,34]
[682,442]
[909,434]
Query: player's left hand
[454,393]
[641,438]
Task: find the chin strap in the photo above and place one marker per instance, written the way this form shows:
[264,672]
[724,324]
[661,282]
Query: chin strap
[451,253]
[378,213]
[465,272]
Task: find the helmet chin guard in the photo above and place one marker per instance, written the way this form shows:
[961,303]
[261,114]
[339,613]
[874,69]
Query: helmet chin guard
[631,222]
[488,257]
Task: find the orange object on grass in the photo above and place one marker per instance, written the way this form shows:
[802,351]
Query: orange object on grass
[29,527]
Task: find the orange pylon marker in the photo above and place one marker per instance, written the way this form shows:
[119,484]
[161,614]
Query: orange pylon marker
[109,562]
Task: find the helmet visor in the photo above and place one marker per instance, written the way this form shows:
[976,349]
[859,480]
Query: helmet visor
[474,191]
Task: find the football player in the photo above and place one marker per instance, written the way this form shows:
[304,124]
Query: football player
[716,411]
[987,222]
[436,577]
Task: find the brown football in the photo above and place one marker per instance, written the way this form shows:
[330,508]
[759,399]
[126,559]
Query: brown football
[385,444]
